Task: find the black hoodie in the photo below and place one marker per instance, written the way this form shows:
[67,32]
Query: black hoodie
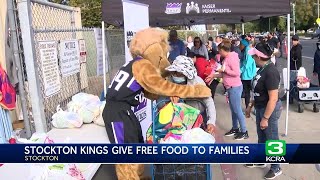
[316,66]
[296,57]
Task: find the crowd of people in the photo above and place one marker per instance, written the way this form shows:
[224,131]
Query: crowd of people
[246,68]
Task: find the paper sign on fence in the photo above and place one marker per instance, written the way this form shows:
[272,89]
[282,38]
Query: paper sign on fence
[69,57]
[83,51]
[49,67]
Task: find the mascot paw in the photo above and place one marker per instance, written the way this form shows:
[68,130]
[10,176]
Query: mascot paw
[202,91]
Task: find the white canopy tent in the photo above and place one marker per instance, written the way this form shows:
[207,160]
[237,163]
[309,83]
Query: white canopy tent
[187,13]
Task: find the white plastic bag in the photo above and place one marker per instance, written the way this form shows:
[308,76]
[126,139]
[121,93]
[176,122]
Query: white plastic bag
[197,135]
[90,111]
[99,120]
[170,140]
[63,119]
[86,105]
[83,98]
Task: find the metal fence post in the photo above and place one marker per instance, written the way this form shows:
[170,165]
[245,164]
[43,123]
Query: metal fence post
[19,71]
[24,9]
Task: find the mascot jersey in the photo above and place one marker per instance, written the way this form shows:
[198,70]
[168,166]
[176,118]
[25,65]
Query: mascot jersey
[124,92]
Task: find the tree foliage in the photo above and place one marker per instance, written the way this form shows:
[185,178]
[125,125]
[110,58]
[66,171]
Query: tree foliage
[305,14]
[91,12]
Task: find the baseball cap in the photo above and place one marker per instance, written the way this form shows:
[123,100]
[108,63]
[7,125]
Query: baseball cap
[262,50]
[295,37]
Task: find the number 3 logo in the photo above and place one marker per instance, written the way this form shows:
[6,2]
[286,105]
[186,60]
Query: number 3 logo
[276,148]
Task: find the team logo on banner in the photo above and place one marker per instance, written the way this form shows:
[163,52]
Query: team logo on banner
[130,35]
[173,8]
[192,7]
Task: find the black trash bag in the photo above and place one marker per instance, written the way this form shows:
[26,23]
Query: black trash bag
[180,172]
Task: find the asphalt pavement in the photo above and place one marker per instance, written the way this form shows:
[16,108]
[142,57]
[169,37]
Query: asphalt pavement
[308,50]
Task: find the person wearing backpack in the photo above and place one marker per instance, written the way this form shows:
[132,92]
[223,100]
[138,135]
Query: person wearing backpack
[247,68]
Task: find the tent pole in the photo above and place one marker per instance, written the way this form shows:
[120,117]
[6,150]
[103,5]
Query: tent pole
[288,74]
[104,59]
[243,28]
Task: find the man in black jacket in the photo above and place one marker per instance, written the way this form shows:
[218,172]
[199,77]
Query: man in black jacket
[296,54]
[316,66]
[295,62]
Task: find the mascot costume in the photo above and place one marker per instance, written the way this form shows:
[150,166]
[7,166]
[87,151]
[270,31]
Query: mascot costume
[143,76]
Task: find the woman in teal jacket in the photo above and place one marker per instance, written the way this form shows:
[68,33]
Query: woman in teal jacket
[248,69]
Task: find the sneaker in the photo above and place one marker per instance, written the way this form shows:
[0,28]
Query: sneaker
[272,175]
[255,165]
[232,132]
[241,136]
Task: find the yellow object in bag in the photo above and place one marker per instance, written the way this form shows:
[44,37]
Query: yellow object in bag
[166,114]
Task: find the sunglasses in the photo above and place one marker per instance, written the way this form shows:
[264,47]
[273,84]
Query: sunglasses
[196,41]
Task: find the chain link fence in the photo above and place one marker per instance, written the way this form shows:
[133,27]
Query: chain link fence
[56,23]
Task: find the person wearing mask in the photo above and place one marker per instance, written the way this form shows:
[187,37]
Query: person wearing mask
[265,88]
[248,70]
[199,48]
[316,65]
[177,46]
[230,72]
[183,71]
[296,54]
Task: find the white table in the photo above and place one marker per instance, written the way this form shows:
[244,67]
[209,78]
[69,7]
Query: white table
[88,134]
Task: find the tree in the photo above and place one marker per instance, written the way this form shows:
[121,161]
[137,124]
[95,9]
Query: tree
[305,14]
[91,13]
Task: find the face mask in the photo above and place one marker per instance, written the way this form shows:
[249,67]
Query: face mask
[178,80]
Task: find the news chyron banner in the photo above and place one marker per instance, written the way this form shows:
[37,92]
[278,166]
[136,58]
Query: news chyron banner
[271,152]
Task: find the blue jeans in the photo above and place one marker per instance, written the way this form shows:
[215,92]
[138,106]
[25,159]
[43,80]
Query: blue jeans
[234,94]
[271,132]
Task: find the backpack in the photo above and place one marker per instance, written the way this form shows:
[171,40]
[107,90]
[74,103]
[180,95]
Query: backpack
[7,92]
[204,67]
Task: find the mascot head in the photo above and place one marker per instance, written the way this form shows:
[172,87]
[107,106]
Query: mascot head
[152,45]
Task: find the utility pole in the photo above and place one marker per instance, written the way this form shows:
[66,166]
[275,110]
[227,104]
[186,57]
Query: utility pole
[294,17]
[318,8]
